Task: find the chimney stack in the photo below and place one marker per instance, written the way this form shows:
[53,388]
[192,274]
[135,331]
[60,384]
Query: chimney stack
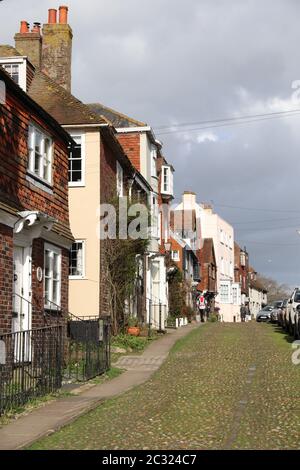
[29,43]
[57,48]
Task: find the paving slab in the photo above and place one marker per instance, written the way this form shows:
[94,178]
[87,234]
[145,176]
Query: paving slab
[52,416]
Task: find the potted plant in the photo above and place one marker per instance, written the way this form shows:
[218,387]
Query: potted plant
[133,326]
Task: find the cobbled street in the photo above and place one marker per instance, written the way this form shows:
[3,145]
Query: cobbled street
[224,386]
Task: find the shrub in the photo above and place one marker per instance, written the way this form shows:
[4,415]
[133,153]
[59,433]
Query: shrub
[136,343]
[213,317]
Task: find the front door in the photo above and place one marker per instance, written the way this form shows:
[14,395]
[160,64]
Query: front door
[21,301]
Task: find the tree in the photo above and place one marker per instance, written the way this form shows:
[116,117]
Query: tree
[275,290]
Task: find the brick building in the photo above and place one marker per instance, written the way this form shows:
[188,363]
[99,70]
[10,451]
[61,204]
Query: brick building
[34,214]
[241,271]
[208,283]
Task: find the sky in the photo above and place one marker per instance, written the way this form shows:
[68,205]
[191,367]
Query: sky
[169,62]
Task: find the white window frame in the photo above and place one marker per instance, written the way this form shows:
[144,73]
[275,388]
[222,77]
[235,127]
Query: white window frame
[57,251]
[82,275]
[153,161]
[81,136]
[175,257]
[165,172]
[22,64]
[155,223]
[120,180]
[224,297]
[10,72]
[33,132]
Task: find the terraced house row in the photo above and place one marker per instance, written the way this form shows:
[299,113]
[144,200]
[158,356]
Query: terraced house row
[61,160]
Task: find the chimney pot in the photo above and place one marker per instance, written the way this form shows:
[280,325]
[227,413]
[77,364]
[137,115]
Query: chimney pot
[63,14]
[24,27]
[36,28]
[52,17]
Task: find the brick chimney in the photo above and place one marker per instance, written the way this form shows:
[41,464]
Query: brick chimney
[57,48]
[29,43]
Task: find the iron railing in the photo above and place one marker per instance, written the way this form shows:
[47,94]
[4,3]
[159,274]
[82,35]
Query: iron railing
[88,352]
[157,314]
[31,364]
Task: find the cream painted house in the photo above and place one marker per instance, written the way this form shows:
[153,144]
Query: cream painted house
[229,291]
[211,225]
[84,202]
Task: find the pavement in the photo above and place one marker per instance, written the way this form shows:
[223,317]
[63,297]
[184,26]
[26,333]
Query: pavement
[52,416]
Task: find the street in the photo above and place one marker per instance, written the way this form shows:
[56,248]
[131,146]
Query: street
[224,386]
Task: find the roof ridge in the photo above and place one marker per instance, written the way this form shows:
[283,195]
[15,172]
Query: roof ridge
[125,116]
[60,90]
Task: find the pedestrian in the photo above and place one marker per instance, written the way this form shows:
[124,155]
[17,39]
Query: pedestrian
[202,307]
[248,313]
[243,313]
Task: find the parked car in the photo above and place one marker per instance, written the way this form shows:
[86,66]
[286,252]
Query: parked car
[281,313]
[276,310]
[265,314]
[292,313]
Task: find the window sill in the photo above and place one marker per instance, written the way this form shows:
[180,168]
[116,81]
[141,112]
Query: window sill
[39,182]
[80,184]
[52,310]
[76,278]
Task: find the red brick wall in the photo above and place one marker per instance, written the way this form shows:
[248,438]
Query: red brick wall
[14,155]
[132,147]
[6,278]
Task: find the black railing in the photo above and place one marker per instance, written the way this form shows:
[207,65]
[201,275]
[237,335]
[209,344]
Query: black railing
[88,352]
[31,364]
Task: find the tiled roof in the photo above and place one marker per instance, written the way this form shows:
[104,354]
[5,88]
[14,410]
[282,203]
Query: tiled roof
[61,104]
[117,119]
[8,51]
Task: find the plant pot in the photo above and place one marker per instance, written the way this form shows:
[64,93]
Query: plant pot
[133,330]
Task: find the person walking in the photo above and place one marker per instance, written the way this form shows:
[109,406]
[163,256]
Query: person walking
[243,312]
[202,308]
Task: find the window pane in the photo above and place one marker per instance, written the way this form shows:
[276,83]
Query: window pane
[75,161]
[47,263]
[76,259]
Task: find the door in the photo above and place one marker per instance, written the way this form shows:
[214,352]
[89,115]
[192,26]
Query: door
[21,305]
[21,300]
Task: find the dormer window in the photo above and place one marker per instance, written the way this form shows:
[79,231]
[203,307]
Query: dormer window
[13,71]
[16,67]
